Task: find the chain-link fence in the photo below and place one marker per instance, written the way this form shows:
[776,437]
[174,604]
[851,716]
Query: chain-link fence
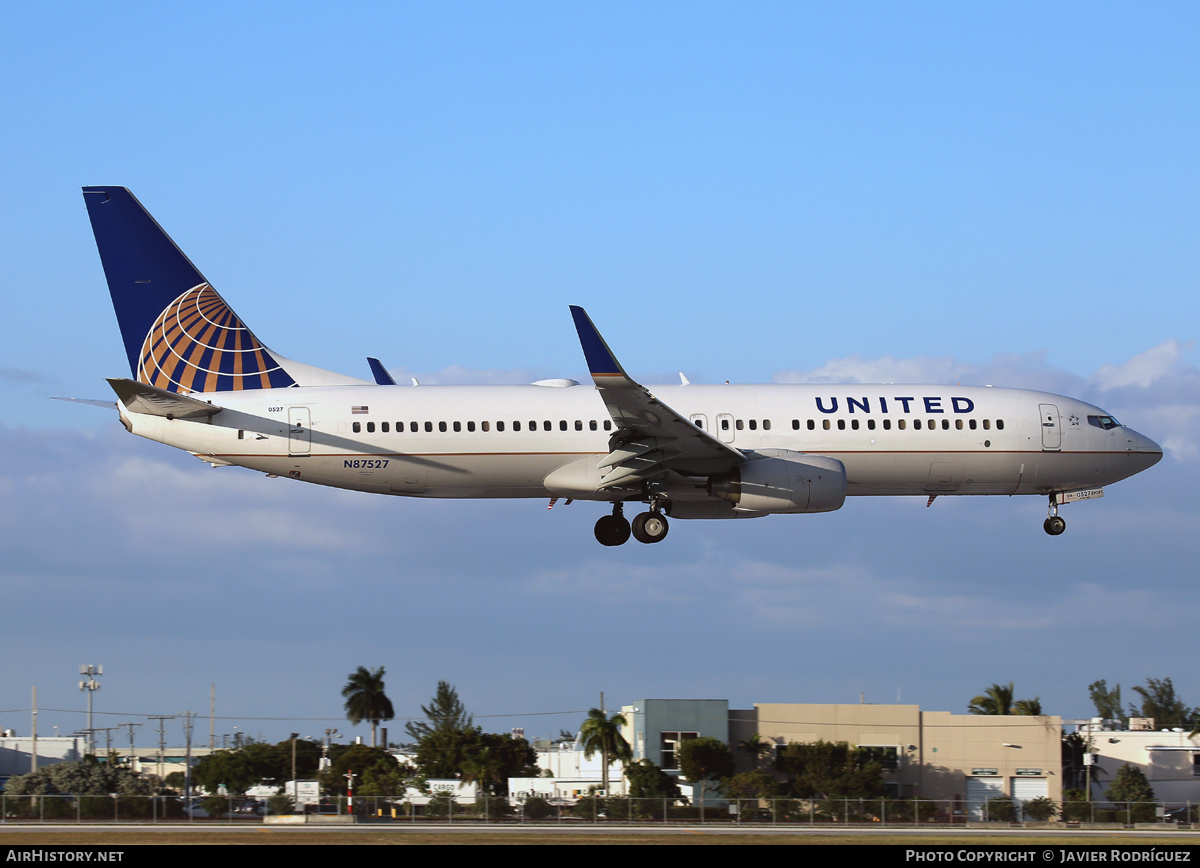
[593,810]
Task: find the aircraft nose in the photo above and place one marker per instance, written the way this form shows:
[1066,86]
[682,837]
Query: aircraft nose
[1146,449]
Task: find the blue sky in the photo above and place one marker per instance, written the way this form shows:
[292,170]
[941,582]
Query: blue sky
[982,193]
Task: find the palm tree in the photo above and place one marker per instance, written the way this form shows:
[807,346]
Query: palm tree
[602,734]
[1031,707]
[998,699]
[365,699]
[757,747]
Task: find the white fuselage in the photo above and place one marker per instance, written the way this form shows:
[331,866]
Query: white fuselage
[508,441]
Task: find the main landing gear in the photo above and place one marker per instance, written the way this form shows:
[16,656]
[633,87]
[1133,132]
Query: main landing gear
[614,530]
[1054,523]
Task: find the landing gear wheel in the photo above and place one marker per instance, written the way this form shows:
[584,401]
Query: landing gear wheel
[1054,525]
[650,527]
[612,530]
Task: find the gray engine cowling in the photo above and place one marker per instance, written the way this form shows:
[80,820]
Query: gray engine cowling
[783,481]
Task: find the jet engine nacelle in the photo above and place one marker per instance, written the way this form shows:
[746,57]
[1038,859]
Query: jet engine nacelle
[779,480]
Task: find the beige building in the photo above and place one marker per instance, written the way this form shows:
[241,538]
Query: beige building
[965,758]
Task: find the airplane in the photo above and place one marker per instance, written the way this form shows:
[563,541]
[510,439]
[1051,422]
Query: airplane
[203,382]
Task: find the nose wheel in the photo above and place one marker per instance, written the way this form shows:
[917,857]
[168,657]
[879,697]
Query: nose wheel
[613,530]
[1054,523]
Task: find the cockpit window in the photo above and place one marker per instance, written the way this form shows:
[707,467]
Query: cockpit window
[1105,422]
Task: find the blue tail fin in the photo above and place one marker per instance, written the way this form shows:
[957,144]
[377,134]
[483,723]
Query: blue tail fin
[179,334]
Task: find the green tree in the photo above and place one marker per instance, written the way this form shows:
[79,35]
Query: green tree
[1029,707]
[998,699]
[1130,786]
[704,761]
[1160,703]
[756,747]
[365,699]
[85,777]
[836,770]
[238,770]
[1107,702]
[600,734]
[445,714]
[755,784]
[377,772]
[648,781]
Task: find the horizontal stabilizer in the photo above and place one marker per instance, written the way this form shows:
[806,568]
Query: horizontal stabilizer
[107,405]
[141,398]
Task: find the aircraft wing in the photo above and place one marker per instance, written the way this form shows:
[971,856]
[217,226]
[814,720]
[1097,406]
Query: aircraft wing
[651,437]
[142,398]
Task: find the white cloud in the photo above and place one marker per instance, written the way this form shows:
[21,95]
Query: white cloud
[1163,362]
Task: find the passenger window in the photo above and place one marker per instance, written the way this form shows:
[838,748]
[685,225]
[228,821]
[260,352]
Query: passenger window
[548,425]
[795,424]
[900,423]
[916,424]
[811,425]
[870,424]
[854,424]
[958,424]
[442,427]
[753,424]
[887,424]
[384,427]
[593,426]
[987,424]
[562,424]
[428,427]
[945,424]
[766,424]
[999,424]
[486,425]
[972,424]
[841,424]
[578,425]
[499,426]
[739,424]
[356,427]
[470,426]
[825,424]
[458,427]
[516,426]
[608,424]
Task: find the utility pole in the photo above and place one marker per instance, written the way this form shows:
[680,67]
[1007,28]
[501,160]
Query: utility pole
[187,766]
[162,741]
[132,758]
[89,683]
[33,749]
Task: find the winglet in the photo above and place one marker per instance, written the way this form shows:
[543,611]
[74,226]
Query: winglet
[603,365]
[382,377]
